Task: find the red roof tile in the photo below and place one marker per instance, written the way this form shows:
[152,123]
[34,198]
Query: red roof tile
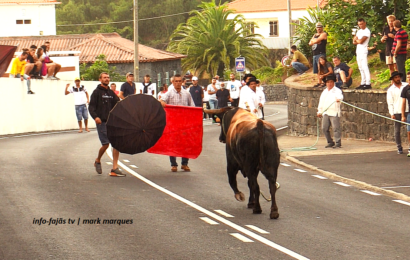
[252,6]
[115,48]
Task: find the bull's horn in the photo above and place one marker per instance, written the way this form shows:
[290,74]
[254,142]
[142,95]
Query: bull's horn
[213,111]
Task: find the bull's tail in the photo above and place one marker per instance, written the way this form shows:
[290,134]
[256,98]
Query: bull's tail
[261,129]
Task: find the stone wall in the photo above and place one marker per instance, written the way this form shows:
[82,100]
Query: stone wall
[278,92]
[302,109]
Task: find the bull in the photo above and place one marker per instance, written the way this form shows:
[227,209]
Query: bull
[251,146]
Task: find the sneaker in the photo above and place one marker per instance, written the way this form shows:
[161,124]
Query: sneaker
[57,78]
[317,85]
[338,146]
[52,78]
[344,86]
[360,87]
[204,119]
[367,87]
[400,151]
[98,167]
[330,145]
[117,173]
[30,92]
[185,168]
[174,168]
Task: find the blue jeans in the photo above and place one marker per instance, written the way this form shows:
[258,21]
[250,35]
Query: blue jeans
[299,67]
[213,103]
[102,133]
[339,83]
[28,81]
[173,160]
[316,62]
[81,112]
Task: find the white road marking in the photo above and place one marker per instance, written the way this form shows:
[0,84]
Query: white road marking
[300,170]
[342,184]
[223,213]
[126,160]
[241,237]
[211,214]
[320,177]
[371,192]
[402,202]
[395,187]
[209,221]
[109,163]
[277,113]
[45,133]
[257,229]
[285,164]
[133,166]
[281,128]
[4,138]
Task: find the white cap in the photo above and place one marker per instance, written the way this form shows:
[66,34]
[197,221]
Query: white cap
[194,78]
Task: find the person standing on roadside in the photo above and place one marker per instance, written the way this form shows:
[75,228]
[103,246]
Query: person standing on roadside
[147,87]
[196,92]
[388,37]
[113,87]
[329,109]
[128,88]
[177,97]
[405,117]
[395,105]
[81,99]
[399,50]
[234,87]
[212,89]
[361,40]
[318,43]
[103,100]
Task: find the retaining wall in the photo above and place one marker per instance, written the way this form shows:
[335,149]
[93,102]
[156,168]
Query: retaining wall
[278,92]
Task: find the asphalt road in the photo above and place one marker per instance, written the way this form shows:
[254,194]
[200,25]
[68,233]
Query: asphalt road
[52,176]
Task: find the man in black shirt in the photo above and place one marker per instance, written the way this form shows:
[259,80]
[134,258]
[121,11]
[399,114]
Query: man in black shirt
[318,43]
[196,92]
[343,73]
[128,88]
[405,117]
[222,95]
[103,99]
[388,37]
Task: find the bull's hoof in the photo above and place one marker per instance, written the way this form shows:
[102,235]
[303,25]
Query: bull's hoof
[251,205]
[257,211]
[240,196]
[274,215]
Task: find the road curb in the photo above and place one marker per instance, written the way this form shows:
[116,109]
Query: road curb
[352,182]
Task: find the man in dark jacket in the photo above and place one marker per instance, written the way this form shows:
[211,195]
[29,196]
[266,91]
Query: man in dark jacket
[196,92]
[102,101]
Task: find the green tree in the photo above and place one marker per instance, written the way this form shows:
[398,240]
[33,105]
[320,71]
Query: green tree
[100,65]
[211,41]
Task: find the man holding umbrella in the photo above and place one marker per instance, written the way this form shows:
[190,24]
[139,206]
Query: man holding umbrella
[103,99]
[177,97]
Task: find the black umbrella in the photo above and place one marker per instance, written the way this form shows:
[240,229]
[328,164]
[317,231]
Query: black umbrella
[135,124]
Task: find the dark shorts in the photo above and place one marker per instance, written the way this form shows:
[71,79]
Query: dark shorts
[102,133]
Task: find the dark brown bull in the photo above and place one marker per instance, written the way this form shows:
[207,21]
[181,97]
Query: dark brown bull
[251,146]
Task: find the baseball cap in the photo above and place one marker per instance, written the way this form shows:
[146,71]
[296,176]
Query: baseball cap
[194,78]
[77,79]
[129,73]
[319,25]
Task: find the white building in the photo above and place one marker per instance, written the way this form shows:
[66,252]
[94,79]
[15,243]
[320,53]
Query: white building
[27,17]
[272,18]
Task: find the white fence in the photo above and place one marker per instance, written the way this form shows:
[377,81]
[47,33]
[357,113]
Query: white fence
[47,110]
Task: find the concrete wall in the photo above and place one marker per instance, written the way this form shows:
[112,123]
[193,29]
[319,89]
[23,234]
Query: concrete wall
[42,16]
[278,92]
[302,109]
[47,110]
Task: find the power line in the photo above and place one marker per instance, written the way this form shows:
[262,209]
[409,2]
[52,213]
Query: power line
[143,19]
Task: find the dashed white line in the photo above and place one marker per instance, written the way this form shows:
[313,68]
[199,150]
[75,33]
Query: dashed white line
[109,163]
[209,221]
[281,128]
[125,160]
[133,166]
[402,202]
[257,229]
[241,237]
[342,184]
[300,170]
[285,164]
[223,213]
[370,192]
[211,214]
[395,187]
[320,177]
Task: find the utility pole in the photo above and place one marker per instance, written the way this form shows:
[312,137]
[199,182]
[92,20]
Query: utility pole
[290,26]
[136,53]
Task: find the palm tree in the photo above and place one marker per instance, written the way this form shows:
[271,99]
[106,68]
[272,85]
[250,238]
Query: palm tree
[211,41]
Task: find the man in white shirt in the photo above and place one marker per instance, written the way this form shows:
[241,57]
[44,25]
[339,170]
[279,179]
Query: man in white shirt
[261,99]
[147,87]
[251,99]
[394,103]
[81,98]
[329,109]
[361,39]
[234,87]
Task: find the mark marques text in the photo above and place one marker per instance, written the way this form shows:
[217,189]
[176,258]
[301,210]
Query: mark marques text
[96,221]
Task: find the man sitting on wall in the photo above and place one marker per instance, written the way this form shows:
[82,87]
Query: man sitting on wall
[18,70]
[57,66]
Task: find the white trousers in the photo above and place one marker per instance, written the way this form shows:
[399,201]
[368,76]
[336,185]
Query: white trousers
[364,68]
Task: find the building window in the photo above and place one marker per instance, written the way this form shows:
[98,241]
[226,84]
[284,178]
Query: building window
[250,27]
[23,21]
[274,28]
[295,23]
